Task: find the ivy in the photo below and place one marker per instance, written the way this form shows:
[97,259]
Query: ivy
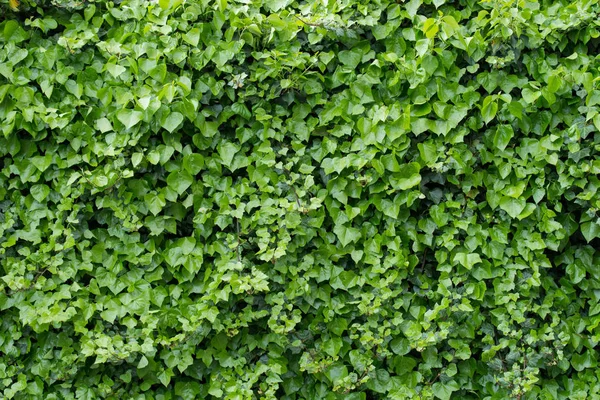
[299,200]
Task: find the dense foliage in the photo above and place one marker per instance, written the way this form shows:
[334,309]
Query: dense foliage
[299,200]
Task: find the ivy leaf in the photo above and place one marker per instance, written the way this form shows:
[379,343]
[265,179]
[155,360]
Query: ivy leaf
[129,118]
[180,181]
[576,272]
[530,96]
[407,177]
[512,206]
[227,151]
[142,363]
[155,202]
[346,234]
[350,58]
[193,163]
[192,37]
[583,361]
[104,125]
[444,391]
[332,346]
[312,86]
[40,192]
[276,5]
[489,109]
[430,28]
[467,260]
[172,121]
[503,135]
[42,162]
[590,230]
[336,372]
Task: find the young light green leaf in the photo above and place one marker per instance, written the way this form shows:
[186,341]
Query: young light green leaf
[530,96]
[129,118]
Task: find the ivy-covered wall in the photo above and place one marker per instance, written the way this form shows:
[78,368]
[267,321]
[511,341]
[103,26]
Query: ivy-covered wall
[284,199]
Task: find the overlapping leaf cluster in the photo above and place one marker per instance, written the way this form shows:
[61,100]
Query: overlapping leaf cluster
[299,200]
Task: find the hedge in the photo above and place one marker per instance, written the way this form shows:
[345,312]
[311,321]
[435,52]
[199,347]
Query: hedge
[287,199]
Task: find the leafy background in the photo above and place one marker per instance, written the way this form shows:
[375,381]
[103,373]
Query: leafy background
[299,200]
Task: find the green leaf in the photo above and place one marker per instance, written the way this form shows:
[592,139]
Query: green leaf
[276,5]
[430,28]
[165,377]
[215,391]
[153,157]
[583,361]
[10,27]
[346,234]
[172,121]
[193,163]
[192,37]
[129,118]
[380,381]
[412,7]
[516,109]
[155,202]
[336,372]
[42,162]
[114,69]
[103,125]
[576,272]
[444,391]
[400,346]
[99,180]
[338,326]
[467,260]
[136,159]
[530,96]
[428,151]
[407,177]
[590,230]
[40,192]
[513,207]
[332,346]
[227,151]
[242,110]
[180,181]
[554,83]
[503,135]
[350,58]
[312,86]
[362,90]
[142,363]
[188,390]
[489,109]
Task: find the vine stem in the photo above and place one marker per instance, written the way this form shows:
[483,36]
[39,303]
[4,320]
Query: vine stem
[294,190]
[308,23]
[239,241]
